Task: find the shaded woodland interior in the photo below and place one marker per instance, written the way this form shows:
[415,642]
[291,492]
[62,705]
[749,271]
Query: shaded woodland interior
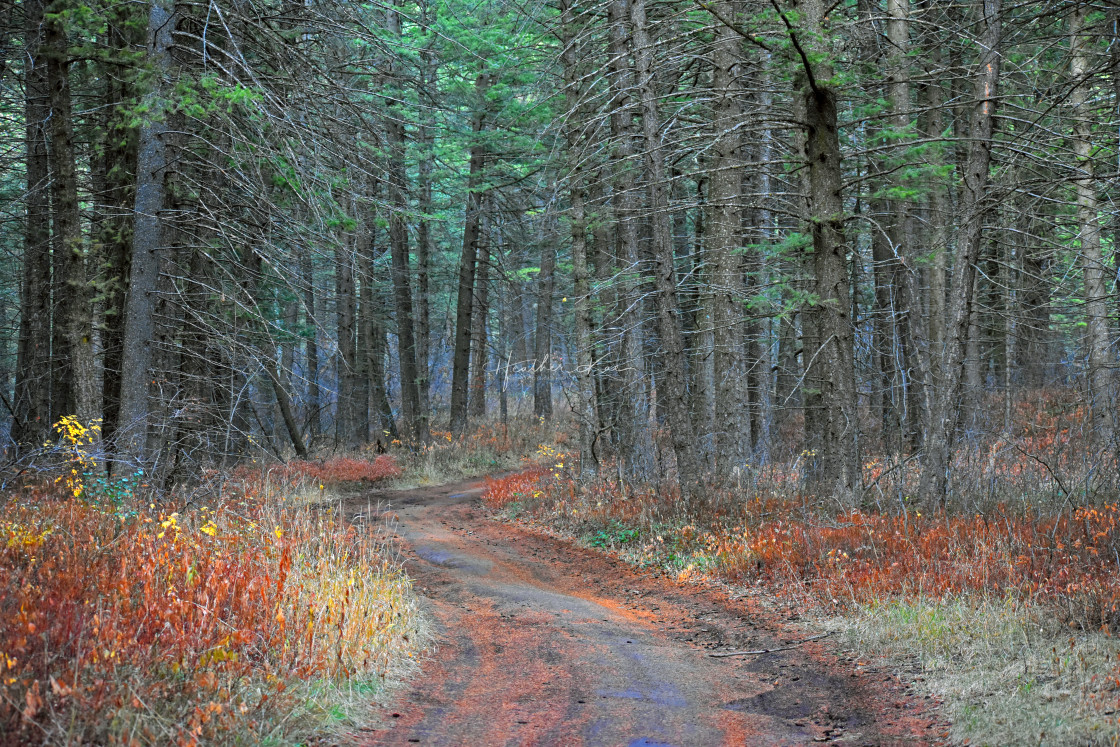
[713,235]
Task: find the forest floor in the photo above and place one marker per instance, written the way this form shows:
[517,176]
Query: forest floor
[540,641]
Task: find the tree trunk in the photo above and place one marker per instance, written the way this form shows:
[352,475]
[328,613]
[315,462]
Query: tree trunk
[841,461]
[632,403]
[542,363]
[585,406]
[1034,299]
[367,310]
[937,238]
[480,315]
[284,402]
[347,365]
[1098,333]
[411,421]
[32,417]
[756,219]
[973,206]
[908,322]
[460,367]
[310,345]
[604,351]
[85,392]
[673,384]
[114,176]
[424,235]
[733,435]
[147,251]
[838,424]
[376,347]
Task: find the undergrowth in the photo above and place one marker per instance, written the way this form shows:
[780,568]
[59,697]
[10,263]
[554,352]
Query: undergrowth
[250,620]
[491,448]
[341,469]
[1006,672]
[1020,574]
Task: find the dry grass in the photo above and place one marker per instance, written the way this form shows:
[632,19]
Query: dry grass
[491,448]
[1006,672]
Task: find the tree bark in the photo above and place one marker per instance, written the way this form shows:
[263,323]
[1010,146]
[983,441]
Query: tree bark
[311,345]
[114,178]
[424,233]
[1098,333]
[632,402]
[411,420]
[480,314]
[147,250]
[937,238]
[673,385]
[460,367]
[542,363]
[284,402]
[908,317]
[839,469]
[376,347]
[733,434]
[367,310]
[85,394]
[32,416]
[973,206]
[574,90]
[840,458]
[347,351]
[756,234]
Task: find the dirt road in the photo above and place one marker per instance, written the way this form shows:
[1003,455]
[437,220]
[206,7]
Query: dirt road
[542,642]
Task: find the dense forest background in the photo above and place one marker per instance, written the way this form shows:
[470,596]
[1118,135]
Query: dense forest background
[722,234]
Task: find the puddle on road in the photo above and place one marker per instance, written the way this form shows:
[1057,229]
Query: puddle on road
[437,557]
[448,559]
[663,695]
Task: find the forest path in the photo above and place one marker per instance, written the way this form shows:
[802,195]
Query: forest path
[543,642]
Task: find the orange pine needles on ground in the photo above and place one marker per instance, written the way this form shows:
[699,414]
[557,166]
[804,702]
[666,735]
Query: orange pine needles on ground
[343,469]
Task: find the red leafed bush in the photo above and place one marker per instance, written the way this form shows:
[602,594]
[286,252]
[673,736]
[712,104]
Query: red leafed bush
[344,469]
[1068,561]
[161,628]
[502,491]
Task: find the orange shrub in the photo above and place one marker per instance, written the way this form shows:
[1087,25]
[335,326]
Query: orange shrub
[1069,560]
[502,491]
[171,629]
